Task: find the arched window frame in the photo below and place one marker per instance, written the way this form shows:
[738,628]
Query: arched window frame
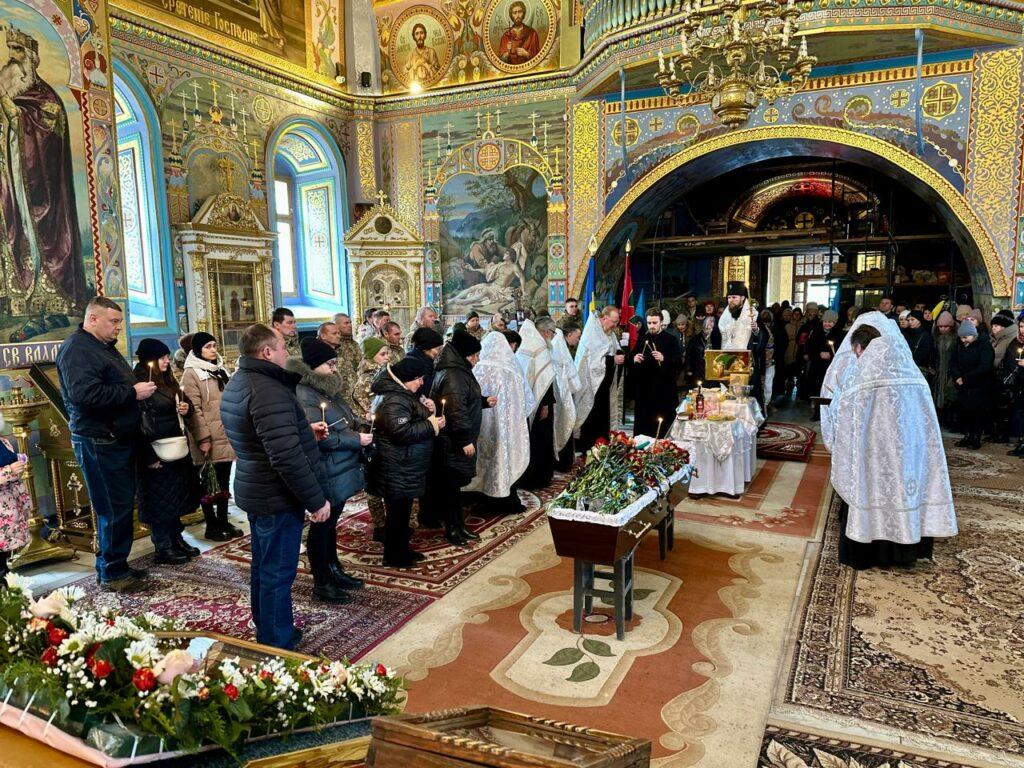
[320,180]
[138,136]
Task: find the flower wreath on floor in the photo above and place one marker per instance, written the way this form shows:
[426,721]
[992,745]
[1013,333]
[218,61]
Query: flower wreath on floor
[94,673]
[619,470]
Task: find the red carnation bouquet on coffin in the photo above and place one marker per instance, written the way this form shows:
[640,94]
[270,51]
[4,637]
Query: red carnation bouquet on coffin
[652,461]
[212,492]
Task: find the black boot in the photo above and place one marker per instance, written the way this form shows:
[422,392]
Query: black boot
[342,579]
[1018,450]
[964,442]
[468,534]
[327,591]
[170,557]
[214,530]
[453,534]
[4,568]
[185,548]
[222,518]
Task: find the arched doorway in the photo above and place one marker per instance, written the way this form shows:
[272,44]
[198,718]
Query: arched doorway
[645,200]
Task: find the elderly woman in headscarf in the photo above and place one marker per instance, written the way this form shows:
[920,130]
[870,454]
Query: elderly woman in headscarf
[896,492]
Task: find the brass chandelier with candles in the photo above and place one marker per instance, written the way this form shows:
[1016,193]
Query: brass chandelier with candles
[737,55]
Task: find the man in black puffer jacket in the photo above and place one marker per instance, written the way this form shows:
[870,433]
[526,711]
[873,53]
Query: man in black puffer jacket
[457,397]
[275,478]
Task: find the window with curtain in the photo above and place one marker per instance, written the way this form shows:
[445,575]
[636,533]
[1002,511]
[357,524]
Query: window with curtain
[148,282]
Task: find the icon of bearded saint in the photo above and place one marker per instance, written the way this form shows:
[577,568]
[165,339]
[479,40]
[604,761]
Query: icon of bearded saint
[41,268]
[520,42]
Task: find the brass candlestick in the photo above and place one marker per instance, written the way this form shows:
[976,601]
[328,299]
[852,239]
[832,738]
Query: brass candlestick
[20,411]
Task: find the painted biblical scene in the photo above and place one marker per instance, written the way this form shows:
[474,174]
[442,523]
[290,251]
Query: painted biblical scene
[519,33]
[46,246]
[464,41]
[494,242]
[273,27]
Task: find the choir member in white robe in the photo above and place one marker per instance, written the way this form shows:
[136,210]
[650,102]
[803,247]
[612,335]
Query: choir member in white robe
[599,360]
[535,358]
[503,450]
[888,462]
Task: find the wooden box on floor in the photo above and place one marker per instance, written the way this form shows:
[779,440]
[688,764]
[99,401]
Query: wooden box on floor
[475,737]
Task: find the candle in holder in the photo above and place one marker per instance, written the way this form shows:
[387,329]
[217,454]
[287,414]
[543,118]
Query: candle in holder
[323,412]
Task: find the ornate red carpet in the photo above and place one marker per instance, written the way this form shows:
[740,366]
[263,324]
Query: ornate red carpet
[785,442]
[212,591]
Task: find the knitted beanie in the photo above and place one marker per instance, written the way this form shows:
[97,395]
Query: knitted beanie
[371,346]
[151,349]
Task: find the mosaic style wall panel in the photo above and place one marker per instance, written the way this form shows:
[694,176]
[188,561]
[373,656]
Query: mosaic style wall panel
[453,43]
[58,149]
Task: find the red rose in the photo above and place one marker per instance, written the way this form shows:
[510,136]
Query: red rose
[231,691]
[90,654]
[266,674]
[144,679]
[381,670]
[56,635]
[101,668]
[49,657]
[601,441]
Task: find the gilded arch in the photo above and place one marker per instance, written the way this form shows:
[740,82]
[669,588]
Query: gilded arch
[916,168]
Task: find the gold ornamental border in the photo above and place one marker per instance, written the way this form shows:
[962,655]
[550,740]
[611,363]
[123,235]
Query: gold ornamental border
[916,167]
[545,48]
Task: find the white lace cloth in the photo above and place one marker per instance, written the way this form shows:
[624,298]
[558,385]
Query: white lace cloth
[719,436]
[724,454]
[888,461]
[503,450]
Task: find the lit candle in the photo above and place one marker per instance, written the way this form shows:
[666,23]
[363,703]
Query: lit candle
[832,346]
[442,407]
[323,412]
[150,370]
[373,418]
[658,432]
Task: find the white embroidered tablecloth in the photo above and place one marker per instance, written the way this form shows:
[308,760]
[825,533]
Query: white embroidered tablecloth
[724,453]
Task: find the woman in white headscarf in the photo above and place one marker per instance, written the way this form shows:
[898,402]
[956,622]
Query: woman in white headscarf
[503,449]
[888,461]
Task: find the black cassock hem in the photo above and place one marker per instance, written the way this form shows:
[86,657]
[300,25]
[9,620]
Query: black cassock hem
[879,553]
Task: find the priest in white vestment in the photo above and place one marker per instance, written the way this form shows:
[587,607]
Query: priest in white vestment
[599,360]
[535,358]
[503,450]
[567,384]
[888,462]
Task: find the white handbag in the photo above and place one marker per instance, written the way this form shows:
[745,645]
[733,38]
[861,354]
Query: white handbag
[169,449]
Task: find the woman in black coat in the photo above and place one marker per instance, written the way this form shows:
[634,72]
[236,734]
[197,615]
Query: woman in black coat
[457,396]
[972,374]
[168,490]
[404,431]
[320,394]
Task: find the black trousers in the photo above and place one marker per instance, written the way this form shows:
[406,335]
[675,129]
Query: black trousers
[322,546]
[444,495]
[396,527]
[972,421]
[223,471]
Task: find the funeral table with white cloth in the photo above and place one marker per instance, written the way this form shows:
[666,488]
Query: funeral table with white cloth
[723,450]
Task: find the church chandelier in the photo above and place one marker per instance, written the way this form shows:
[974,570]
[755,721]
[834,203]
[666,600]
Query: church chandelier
[736,55]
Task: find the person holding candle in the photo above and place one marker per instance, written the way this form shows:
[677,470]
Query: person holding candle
[822,340]
[102,396]
[972,373]
[375,357]
[1011,376]
[203,382]
[404,433]
[341,461]
[654,362]
[168,490]
[919,340]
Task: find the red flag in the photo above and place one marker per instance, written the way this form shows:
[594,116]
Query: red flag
[626,310]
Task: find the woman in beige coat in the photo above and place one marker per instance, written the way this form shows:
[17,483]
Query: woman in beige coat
[203,382]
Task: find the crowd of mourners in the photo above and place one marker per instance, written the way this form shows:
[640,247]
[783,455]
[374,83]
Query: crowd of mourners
[300,426]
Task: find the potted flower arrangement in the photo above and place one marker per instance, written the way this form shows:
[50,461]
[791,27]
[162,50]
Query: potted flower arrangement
[121,690]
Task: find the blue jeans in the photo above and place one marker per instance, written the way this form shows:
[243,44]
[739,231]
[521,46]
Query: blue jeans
[275,559]
[108,467]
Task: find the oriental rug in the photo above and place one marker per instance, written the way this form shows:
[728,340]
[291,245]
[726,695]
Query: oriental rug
[798,747]
[936,650]
[785,497]
[691,669]
[785,442]
[211,593]
[445,565]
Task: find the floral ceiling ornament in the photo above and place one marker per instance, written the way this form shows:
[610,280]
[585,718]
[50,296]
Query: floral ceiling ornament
[737,56]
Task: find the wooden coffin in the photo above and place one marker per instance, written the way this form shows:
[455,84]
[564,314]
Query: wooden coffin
[482,736]
[603,544]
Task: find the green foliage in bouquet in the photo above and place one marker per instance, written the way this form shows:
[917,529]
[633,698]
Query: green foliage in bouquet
[86,670]
[618,471]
